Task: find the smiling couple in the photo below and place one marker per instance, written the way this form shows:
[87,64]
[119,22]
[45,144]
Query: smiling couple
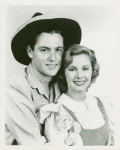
[46,103]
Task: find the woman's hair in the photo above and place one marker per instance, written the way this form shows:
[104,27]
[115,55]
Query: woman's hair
[74,50]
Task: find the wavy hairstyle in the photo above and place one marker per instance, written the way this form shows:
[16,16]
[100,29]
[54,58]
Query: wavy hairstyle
[73,50]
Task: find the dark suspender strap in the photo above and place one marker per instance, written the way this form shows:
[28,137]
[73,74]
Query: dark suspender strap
[100,105]
[71,113]
[102,109]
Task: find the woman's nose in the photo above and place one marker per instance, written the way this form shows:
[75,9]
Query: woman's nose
[79,74]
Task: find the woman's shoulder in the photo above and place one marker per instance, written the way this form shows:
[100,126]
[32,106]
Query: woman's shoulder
[62,98]
[102,100]
[106,102]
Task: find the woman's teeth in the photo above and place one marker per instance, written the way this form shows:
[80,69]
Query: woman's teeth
[79,83]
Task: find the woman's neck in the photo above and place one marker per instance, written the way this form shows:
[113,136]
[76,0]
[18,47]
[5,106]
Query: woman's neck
[77,96]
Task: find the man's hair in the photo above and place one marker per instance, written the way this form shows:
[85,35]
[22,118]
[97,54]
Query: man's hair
[33,40]
[74,50]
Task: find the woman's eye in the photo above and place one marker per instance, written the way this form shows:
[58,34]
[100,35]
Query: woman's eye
[85,68]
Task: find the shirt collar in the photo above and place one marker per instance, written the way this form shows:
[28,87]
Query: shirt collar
[33,80]
[35,83]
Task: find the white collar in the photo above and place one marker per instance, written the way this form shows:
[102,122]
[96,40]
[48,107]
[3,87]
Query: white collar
[87,112]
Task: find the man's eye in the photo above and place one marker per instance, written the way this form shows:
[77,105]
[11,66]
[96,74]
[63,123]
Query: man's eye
[44,50]
[71,69]
[60,49]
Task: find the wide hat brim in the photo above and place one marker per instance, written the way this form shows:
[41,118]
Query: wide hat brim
[70,29]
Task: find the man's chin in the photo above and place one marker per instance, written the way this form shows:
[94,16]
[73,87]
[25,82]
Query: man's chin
[52,75]
[52,72]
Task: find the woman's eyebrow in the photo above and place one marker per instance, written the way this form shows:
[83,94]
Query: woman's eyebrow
[72,67]
[86,66]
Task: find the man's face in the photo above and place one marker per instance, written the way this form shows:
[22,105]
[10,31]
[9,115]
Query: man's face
[47,54]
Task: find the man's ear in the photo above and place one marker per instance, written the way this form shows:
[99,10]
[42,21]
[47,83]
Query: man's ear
[29,51]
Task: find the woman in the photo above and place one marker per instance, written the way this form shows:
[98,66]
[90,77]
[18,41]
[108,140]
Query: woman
[77,118]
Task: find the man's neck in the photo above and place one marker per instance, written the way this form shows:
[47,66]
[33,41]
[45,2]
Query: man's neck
[40,76]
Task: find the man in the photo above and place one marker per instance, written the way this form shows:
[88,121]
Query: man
[40,44]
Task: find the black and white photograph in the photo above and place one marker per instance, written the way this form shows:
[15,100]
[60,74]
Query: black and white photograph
[62,76]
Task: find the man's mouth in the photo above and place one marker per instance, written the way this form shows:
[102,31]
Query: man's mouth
[79,83]
[51,66]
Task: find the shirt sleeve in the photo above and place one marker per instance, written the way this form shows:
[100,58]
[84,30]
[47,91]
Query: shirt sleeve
[21,119]
[9,138]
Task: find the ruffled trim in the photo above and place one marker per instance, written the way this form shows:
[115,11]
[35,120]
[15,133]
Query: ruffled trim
[64,124]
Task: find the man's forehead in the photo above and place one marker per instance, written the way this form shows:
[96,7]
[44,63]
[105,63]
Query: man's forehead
[53,32]
[45,39]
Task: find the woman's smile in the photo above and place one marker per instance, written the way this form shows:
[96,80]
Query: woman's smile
[79,83]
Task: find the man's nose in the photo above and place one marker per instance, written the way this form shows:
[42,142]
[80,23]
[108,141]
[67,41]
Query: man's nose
[52,56]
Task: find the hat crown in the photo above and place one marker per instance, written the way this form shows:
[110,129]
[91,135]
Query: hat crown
[37,14]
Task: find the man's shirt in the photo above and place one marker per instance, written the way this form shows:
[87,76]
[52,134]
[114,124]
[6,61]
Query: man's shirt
[25,95]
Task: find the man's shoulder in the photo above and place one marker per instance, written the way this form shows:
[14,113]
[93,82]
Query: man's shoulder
[19,75]
[18,79]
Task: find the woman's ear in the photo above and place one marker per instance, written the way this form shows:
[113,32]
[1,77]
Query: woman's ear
[29,51]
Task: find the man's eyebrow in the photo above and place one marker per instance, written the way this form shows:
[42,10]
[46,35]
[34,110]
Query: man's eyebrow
[43,47]
[49,48]
[61,47]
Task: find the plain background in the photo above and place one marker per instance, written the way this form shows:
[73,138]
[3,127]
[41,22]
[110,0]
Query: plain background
[100,32]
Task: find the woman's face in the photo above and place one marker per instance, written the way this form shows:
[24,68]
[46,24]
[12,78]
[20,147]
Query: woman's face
[78,74]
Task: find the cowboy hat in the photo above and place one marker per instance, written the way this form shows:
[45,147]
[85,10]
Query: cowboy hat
[70,29]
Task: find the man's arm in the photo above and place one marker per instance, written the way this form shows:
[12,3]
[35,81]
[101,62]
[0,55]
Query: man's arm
[21,119]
